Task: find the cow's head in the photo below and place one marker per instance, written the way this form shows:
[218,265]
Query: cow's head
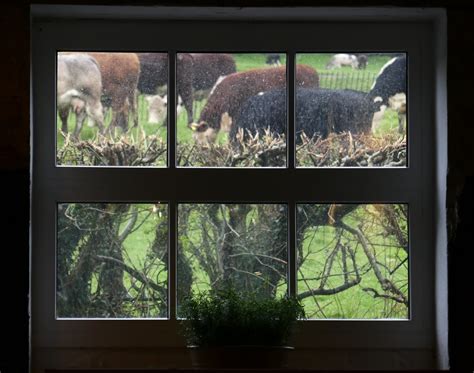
[157,108]
[203,133]
[362,61]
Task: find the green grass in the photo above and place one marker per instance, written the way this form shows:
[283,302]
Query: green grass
[389,124]
[248,61]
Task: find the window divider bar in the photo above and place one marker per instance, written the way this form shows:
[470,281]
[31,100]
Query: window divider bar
[172,257]
[172,119]
[290,86]
[292,272]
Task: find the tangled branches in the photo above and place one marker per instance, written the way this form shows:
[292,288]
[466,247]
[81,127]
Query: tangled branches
[105,151]
[348,150]
[269,150]
[249,151]
[350,264]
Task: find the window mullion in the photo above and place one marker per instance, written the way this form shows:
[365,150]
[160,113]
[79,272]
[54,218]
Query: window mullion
[290,68]
[172,254]
[172,224]
[291,155]
[172,109]
[292,272]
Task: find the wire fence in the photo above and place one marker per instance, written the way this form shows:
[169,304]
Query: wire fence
[357,80]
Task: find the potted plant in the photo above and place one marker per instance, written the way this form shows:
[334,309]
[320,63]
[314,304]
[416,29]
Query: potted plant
[226,328]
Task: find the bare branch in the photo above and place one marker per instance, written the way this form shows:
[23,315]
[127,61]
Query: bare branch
[331,291]
[130,224]
[376,294]
[133,272]
[385,283]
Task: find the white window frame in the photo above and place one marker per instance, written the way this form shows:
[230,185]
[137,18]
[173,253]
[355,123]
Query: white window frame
[348,344]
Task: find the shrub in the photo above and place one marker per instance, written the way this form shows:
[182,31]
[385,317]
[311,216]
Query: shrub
[226,317]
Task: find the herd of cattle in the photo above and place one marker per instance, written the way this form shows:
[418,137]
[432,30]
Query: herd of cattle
[90,83]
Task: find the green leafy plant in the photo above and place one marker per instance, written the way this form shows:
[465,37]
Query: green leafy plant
[227,317]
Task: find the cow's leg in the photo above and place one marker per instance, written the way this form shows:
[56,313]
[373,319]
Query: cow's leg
[133,98]
[123,115]
[63,114]
[80,117]
[96,113]
[120,106]
[186,93]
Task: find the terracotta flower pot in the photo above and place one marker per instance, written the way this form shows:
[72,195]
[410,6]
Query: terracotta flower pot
[240,356]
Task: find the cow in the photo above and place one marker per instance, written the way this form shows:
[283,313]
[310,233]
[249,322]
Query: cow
[342,59]
[272,59]
[154,74]
[158,108]
[120,73]
[362,61]
[318,112]
[207,69]
[390,87]
[79,87]
[235,89]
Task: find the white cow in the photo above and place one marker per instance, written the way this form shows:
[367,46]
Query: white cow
[342,59]
[79,87]
[158,108]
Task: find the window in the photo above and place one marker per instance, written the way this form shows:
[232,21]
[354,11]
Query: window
[355,240]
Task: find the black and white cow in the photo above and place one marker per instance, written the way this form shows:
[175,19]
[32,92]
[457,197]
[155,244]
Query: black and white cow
[273,59]
[390,88]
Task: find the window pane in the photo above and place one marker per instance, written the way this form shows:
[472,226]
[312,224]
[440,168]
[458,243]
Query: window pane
[358,117]
[225,122]
[245,244]
[353,260]
[112,260]
[112,109]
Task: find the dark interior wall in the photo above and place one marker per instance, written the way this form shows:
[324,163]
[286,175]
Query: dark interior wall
[14,168]
[14,176]
[460,188]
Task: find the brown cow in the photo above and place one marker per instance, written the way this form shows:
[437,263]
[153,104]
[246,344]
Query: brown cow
[120,73]
[235,89]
